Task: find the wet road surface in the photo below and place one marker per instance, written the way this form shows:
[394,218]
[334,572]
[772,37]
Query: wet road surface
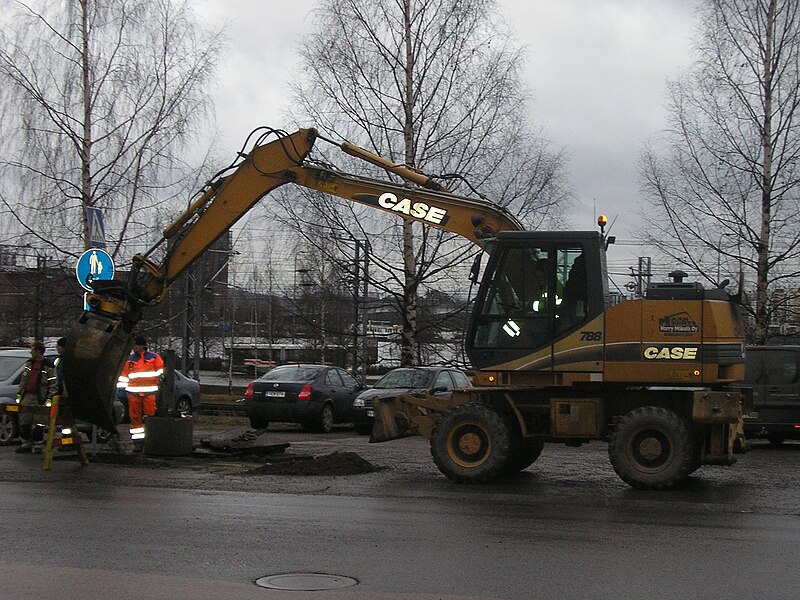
[565,528]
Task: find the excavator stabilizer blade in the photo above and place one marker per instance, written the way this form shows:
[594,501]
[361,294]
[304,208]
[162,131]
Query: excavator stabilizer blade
[97,347]
[391,422]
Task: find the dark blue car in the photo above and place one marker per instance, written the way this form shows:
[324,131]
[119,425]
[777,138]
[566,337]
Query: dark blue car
[316,396]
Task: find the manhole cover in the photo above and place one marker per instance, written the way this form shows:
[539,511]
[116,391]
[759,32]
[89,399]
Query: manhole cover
[305,582]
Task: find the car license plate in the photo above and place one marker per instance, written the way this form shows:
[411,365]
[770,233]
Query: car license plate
[275,394]
[750,416]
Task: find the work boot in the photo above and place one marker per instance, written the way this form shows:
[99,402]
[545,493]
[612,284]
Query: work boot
[138,447]
[24,449]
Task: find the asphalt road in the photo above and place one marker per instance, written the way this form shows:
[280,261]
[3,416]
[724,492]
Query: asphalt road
[566,528]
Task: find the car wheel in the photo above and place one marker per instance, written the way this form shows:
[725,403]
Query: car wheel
[323,423]
[651,448]
[103,435]
[775,440]
[258,422]
[326,419]
[9,429]
[471,443]
[124,417]
[183,407]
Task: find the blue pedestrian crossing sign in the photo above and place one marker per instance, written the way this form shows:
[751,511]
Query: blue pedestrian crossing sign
[94,264]
[97,231]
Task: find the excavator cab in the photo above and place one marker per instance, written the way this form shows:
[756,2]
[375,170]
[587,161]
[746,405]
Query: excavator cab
[538,287]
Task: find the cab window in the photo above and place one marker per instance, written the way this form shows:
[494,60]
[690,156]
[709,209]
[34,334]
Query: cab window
[518,301]
[536,294]
[572,296]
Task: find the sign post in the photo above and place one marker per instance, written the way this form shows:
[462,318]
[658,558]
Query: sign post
[94,264]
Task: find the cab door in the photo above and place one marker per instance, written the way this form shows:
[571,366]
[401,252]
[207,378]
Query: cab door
[514,312]
[538,287]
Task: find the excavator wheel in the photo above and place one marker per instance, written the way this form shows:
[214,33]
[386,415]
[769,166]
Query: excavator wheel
[471,443]
[524,452]
[697,453]
[651,448]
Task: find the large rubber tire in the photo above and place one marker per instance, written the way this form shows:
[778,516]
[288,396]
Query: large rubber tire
[471,443]
[524,452]
[651,449]
[9,429]
[697,452]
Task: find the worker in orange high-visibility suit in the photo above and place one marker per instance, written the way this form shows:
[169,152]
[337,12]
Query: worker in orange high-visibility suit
[141,377]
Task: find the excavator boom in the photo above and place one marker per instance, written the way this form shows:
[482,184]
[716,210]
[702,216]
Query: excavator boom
[100,341]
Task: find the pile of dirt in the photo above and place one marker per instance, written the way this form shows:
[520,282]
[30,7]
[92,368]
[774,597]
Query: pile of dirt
[336,463]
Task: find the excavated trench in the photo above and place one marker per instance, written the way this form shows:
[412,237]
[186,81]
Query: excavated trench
[247,450]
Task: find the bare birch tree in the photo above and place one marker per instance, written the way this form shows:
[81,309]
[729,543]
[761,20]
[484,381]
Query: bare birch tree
[435,85]
[725,184]
[99,100]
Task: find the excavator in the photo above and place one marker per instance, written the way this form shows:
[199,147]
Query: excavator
[555,359]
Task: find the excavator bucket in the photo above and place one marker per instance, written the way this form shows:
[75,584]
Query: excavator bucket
[97,347]
[391,422]
[408,414]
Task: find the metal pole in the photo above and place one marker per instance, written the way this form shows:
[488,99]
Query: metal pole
[364,308]
[198,316]
[357,304]
[40,263]
[294,301]
[232,305]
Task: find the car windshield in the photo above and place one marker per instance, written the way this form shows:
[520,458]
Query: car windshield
[9,364]
[291,373]
[405,378]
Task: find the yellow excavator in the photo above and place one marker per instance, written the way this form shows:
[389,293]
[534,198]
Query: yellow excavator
[555,360]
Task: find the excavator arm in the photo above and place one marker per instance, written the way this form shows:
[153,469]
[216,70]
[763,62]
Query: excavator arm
[99,343]
[283,161]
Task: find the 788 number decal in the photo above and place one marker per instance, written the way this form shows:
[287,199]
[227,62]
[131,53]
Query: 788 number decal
[591,336]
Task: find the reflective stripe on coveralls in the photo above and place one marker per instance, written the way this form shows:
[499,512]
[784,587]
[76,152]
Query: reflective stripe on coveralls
[140,377]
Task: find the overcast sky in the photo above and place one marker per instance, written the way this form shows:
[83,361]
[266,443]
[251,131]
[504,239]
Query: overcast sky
[596,69]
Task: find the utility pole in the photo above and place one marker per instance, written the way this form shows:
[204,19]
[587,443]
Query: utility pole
[192,319]
[360,294]
[364,300]
[41,263]
[641,277]
[356,304]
